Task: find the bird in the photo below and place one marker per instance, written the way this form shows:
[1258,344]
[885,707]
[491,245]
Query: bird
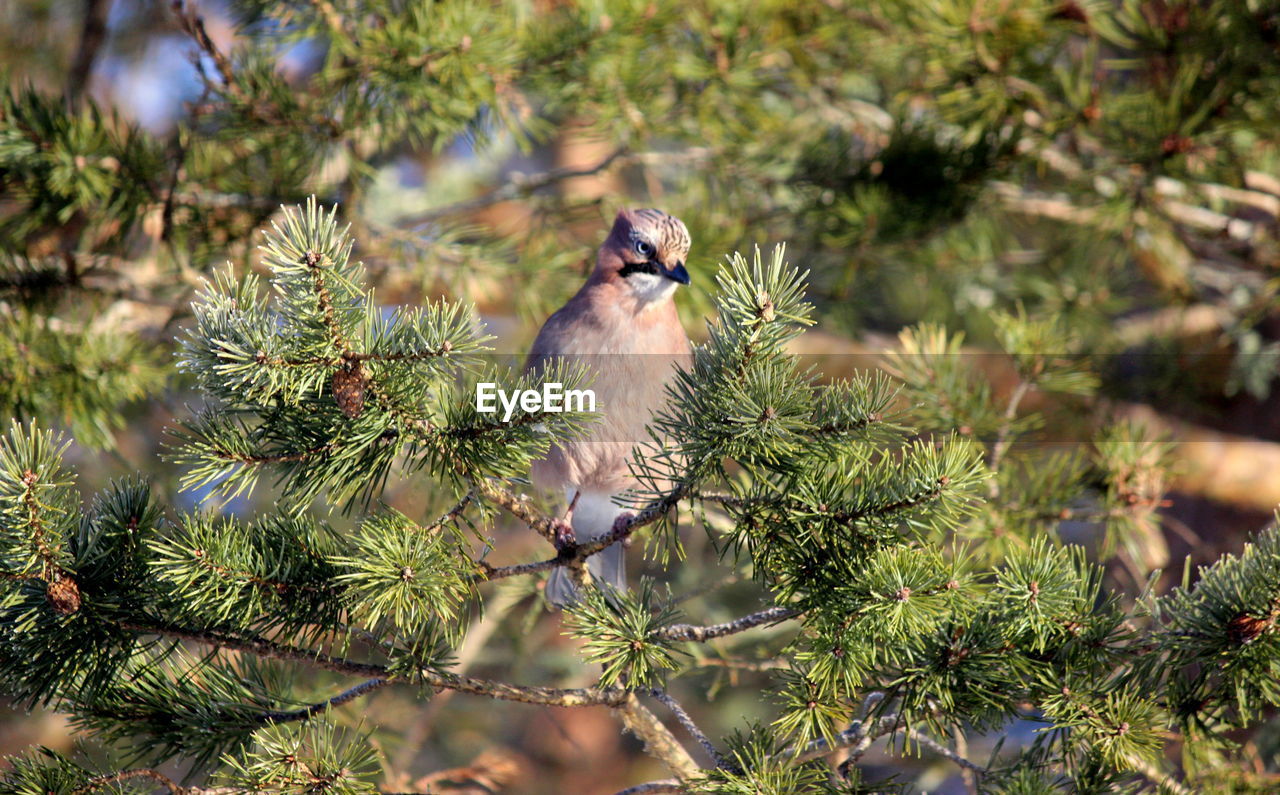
[623,328]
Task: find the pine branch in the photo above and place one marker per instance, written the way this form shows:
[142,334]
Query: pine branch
[313,260]
[351,356]
[125,775]
[526,694]
[260,647]
[35,523]
[264,459]
[701,634]
[174,788]
[192,24]
[843,517]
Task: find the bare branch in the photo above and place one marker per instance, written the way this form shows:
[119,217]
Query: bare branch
[92,34]
[701,634]
[490,572]
[658,740]
[1001,444]
[520,185]
[518,506]
[521,508]
[689,726]
[570,554]
[193,25]
[845,517]
[454,512]
[312,710]
[937,747]
[653,787]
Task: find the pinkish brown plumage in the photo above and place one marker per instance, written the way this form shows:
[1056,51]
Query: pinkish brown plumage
[623,326]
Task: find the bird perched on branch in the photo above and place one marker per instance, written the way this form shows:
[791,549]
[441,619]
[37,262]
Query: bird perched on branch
[622,325]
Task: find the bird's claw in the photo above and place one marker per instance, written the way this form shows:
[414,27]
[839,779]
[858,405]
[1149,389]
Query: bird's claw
[563,534]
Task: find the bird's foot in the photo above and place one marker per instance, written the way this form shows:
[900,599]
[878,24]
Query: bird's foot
[622,528]
[562,534]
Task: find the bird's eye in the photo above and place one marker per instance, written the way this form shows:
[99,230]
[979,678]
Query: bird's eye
[644,248]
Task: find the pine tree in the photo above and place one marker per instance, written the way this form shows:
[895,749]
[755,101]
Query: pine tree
[178,635]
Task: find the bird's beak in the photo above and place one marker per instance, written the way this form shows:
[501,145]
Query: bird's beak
[677,274]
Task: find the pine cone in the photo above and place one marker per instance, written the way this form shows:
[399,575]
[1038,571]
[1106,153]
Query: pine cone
[63,595]
[348,390]
[1245,629]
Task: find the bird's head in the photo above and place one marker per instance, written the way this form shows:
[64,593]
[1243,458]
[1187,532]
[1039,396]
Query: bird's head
[646,251]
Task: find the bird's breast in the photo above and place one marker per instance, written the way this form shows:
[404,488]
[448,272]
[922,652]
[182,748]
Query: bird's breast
[630,358]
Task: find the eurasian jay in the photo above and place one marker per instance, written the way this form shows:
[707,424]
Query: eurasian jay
[623,327]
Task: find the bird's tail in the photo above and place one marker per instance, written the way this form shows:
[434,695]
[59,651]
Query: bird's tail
[607,567]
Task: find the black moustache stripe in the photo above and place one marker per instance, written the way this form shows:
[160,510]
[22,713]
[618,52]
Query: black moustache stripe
[640,267]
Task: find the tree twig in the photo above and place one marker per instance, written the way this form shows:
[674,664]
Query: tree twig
[92,34]
[519,185]
[757,666]
[666,785]
[193,25]
[454,512]
[1001,445]
[312,710]
[937,747]
[690,726]
[969,777]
